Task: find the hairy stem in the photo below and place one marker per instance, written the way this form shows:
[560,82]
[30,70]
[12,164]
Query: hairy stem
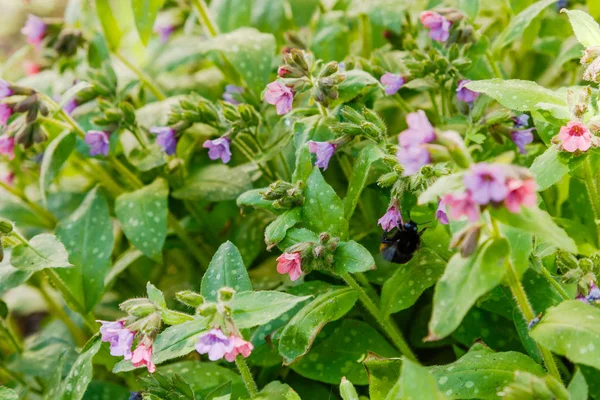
[592,191]
[202,10]
[142,76]
[246,376]
[546,274]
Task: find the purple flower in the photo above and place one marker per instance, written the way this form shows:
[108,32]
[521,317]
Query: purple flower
[98,141]
[412,158]
[7,146]
[440,213]
[119,337]
[34,29]
[412,153]
[218,148]
[281,96]
[164,31]
[5,89]
[166,138]
[594,294]
[391,219]
[521,121]
[439,27]
[70,106]
[324,152]
[392,83]
[522,138]
[231,92]
[582,298]
[215,343]
[5,113]
[463,94]
[486,182]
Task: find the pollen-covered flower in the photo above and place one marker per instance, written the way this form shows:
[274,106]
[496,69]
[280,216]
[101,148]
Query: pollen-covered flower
[142,355]
[440,213]
[166,137]
[486,182]
[575,136]
[290,263]
[232,93]
[461,204]
[438,25]
[119,337]
[34,29]
[412,153]
[392,83]
[215,344]
[240,346]
[391,219]
[5,90]
[5,112]
[218,148]
[98,142]
[7,146]
[521,193]
[324,152]
[522,138]
[280,96]
[464,94]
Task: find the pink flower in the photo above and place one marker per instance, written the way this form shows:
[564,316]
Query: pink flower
[7,146]
[461,204]
[218,148]
[324,152]
[392,83]
[439,27]
[240,346]
[5,90]
[575,136]
[31,68]
[5,112]
[290,263]
[486,182]
[391,219]
[520,193]
[215,344]
[281,96]
[412,153]
[8,178]
[119,337]
[34,29]
[142,355]
[98,142]
[440,213]
[463,94]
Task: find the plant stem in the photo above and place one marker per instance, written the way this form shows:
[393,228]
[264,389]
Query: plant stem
[142,76]
[546,274]
[493,65]
[436,109]
[403,103]
[365,34]
[46,216]
[202,10]
[4,327]
[386,324]
[592,191]
[246,376]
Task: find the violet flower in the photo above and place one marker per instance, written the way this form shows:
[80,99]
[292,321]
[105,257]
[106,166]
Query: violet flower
[34,29]
[231,94]
[438,25]
[215,344]
[594,294]
[521,121]
[70,106]
[392,82]
[166,138]
[412,153]
[281,96]
[324,152]
[7,146]
[5,90]
[440,213]
[522,138]
[119,337]
[290,263]
[164,31]
[464,94]
[218,148]
[486,182]
[98,142]
[391,219]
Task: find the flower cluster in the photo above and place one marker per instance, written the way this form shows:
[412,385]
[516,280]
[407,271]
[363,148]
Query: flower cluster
[217,345]
[121,340]
[593,296]
[437,25]
[412,153]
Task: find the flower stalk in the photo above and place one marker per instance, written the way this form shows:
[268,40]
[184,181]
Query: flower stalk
[249,382]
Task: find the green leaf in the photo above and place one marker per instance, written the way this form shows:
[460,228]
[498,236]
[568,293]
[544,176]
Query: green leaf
[276,230]
[299,334]
[100,390]
[517,94]
[410,280]
[44,251]
[204,377]
[143,216]
[323,210]
[571,329]
[445,184]
[257,308]
[592,378]
[253,198]
[88,237]
[75,384]
[230,14]
[481,373]
[578,387]
[415,383]
[216,182]
[519,23]
[145,12]
[226,269]
[357,82]
[383,373]
[296,235]
[304,164]
[57,152]
[8,394]
[155,295]
[470,7]
[539,223]
[351,257]
[548,169]
[11,277]
[277,390]
[463,282]
[110,27]
[586,29]
[339,350]
[358,180]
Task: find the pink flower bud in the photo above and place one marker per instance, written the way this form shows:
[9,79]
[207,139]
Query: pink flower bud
[290,263]
[142,355]
[240,346]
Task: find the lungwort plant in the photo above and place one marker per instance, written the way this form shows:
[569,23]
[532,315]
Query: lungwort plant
[302,199]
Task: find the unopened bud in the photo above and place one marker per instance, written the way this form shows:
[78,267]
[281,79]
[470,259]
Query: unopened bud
[190,298]
[566,261]
[347,390]
[467,240]
[207,309]
[249,115]
[590,54]
[351,115]
[329,69]
[27,104]
[387,180]
[586,265]
[225,294]
[140,307]
[299,58]
[6,226]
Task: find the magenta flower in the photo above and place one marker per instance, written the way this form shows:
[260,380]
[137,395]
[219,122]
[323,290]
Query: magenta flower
[324,152]
[463,94]
[240,346]
[34,29]
[218,148]
[231,94]
[281,96]
[520,194]
[461,204]
[440,213]
[142,355]
[215,344]
[5,90]
[98,141]
[164,31]
[391,219]
[486,182]
[392,83]
[166,138]
[290,263]
[119,337]
[521,121]
[438,26]
[575,136]
[522,138]
[7,146]
[5,112]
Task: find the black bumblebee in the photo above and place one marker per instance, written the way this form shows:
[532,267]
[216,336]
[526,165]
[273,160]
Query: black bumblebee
[400,248]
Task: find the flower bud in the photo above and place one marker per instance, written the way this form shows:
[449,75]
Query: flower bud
[566,261]
[207,309]
[592,72]
[299,58]
[466,239]
[140,307]
[27,104]
[347,390]
[225,294]
[590,54]
[351,115]
[249,115]
[25,136]
[190,298]
[438,153]
[586,265]
[329,69]
[387,180]
[456,146]
[6,226]
[230,112]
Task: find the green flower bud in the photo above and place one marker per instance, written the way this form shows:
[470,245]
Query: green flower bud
[207,309]
[329,69]
[351,115]
[139,307]
[6,226]
[347,390]
[190,298]
[225,294]
[387,180]
[249,115]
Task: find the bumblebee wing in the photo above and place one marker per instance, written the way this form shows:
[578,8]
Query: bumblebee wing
[388,252]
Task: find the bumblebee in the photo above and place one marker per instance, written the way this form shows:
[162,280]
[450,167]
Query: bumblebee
[400,248]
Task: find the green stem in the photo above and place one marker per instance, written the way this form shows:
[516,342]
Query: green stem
[592,191]
[362,279]
[436,109]
[386,324]
[46,216]
[243,148]
[202,10]
[493,65]
[246,376]
[142,76]
[546,274]
[403,103]
[443,99]
[11,336]
[322,109]
[365,34]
